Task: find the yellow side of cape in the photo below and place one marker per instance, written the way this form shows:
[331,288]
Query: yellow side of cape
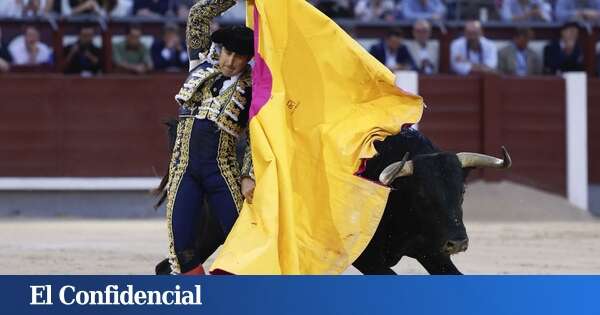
[329,101]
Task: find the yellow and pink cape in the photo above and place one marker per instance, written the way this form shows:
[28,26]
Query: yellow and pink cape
[319,102]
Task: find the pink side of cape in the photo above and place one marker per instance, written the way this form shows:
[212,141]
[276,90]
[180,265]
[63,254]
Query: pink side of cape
[262,80]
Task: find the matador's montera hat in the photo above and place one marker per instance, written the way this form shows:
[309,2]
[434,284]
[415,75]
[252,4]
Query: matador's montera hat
[239,39]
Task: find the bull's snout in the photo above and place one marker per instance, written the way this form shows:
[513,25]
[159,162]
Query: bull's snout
[456,246]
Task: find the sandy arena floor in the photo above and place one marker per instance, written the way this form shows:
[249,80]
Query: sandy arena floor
[512,230]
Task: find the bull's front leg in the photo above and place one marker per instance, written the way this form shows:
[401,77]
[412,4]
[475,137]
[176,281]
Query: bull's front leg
[439,265]
[375,270]
[370,263]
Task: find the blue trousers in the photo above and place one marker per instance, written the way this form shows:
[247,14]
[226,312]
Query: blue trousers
[203,168]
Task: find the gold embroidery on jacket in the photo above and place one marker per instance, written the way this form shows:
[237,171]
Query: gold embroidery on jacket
[247,165]
[223,109]
[178,165]
[229,167]
[193,83]
[199,18]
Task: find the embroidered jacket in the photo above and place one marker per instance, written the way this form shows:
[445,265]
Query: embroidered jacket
[229,109]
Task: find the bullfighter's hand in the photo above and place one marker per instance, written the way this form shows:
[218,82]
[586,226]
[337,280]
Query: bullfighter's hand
[248,185]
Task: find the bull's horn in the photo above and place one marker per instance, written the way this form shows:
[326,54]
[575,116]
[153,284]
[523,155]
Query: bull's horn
[395,170]
[481,160]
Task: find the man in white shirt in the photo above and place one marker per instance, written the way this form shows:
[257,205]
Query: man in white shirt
[28,50]
[473,52]
[424,52]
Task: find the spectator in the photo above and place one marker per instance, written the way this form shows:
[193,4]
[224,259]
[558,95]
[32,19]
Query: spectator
[565,54]
[37,7]
[24,8]
[517,58]
[424,52]
[473,52]
[598,65]
[169,53]
[335,8]
[151,8]
[99,7]
[83,57]
[122,9]
[392,53]
[5,58]
[424,9]
[131,55]
[28,50]
[451,9]
[483,10]
[182,7]
[11,8]
[526,10]
[237,12]
[370,10]
[582,10]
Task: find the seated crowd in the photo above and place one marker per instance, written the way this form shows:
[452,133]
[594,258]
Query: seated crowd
[364,10]
[85,57]
[473,52]
[105,8]
[505,10]
[470,53]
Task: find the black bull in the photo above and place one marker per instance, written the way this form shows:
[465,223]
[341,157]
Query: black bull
[423,216]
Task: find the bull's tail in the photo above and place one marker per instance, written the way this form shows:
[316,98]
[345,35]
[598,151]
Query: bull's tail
[161,190]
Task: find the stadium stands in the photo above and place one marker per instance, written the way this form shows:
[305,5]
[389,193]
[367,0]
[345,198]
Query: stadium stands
[58,31]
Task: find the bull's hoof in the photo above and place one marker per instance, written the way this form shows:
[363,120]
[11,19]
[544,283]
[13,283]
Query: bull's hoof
[163,267]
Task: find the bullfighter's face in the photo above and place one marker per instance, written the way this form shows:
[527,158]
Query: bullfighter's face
[232,63]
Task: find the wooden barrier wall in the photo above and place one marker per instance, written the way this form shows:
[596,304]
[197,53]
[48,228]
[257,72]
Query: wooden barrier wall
[483,113]
[68,126]
[111,126]
[452,118]
[531,122]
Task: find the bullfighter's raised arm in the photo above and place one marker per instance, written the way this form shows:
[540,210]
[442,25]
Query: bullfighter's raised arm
[198,26]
